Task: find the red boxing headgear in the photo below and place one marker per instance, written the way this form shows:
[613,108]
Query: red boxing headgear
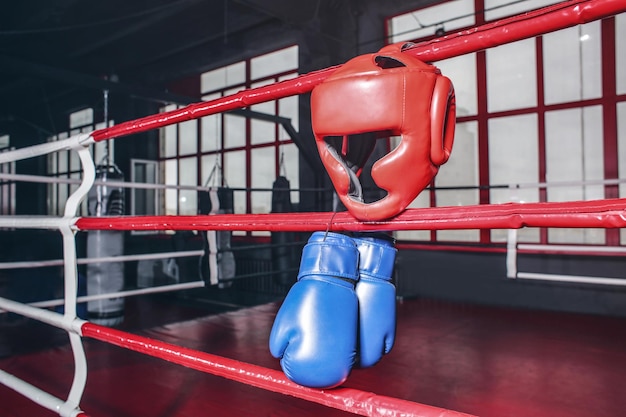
[393,93]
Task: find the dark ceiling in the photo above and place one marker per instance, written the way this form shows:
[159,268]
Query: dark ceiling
[52,48]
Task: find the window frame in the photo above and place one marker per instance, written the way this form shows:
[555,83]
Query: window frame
[608,101]
[208,157]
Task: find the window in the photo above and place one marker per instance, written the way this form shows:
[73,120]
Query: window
[66,165]
[237,150]
[144,201]
[423,23]
[548,114]
[497,9]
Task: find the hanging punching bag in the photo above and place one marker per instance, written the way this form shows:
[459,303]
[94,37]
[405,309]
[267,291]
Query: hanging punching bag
[217,265]
[282,242]
[105,277]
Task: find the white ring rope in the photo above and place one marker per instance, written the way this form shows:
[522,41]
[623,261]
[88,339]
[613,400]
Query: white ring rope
[73,142]
[35,394]
[150,186]
[121,294]
[68,321]
[71,279]
[112,183]
[85,261]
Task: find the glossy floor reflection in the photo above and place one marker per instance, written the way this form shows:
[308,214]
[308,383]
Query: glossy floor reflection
[491,362]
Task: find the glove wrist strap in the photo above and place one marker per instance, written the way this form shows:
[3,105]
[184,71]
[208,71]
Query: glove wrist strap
[330,260]
[376,258]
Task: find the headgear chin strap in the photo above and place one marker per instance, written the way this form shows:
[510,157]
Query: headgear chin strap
[395,94]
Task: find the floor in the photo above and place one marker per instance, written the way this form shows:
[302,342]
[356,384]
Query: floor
[490,362]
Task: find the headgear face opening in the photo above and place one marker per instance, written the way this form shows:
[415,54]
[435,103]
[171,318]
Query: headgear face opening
[393,94]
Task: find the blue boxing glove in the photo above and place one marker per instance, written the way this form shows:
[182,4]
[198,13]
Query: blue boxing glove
[377,298]
[315,331]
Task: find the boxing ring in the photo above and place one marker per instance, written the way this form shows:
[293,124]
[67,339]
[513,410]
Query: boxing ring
[610,213]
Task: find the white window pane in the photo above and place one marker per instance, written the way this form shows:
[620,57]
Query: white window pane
[422,201]
[621,151]
[169,141]
[81,118]
[458,235]
[422,23]
[620,52]
[234,131]
[513,157]
[63,162]
[289,107]
[223,77]
[263,168]
[168,136]
[496,9]
[4,141]
[144,201]
[262,131]
[462,71]
[275,62]
[572,64]
[404,28]
[235,177]
[288,77]
[188,137]
[52,163]
[213,80]
[171,195]
[236,73]
[461,170]
[581,236]
[231,91]
[211,171]
[268,81]
[211,133]
[269,107]
[526,235]
[188,175]
[574,152]
[512,76]
[52,199]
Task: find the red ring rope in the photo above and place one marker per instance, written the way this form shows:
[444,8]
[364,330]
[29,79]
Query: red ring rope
[610,213]
[535,23]
[346,399]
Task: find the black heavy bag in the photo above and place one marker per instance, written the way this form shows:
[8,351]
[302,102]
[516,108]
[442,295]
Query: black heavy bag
[282,242]
[217,265]
[105,277]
